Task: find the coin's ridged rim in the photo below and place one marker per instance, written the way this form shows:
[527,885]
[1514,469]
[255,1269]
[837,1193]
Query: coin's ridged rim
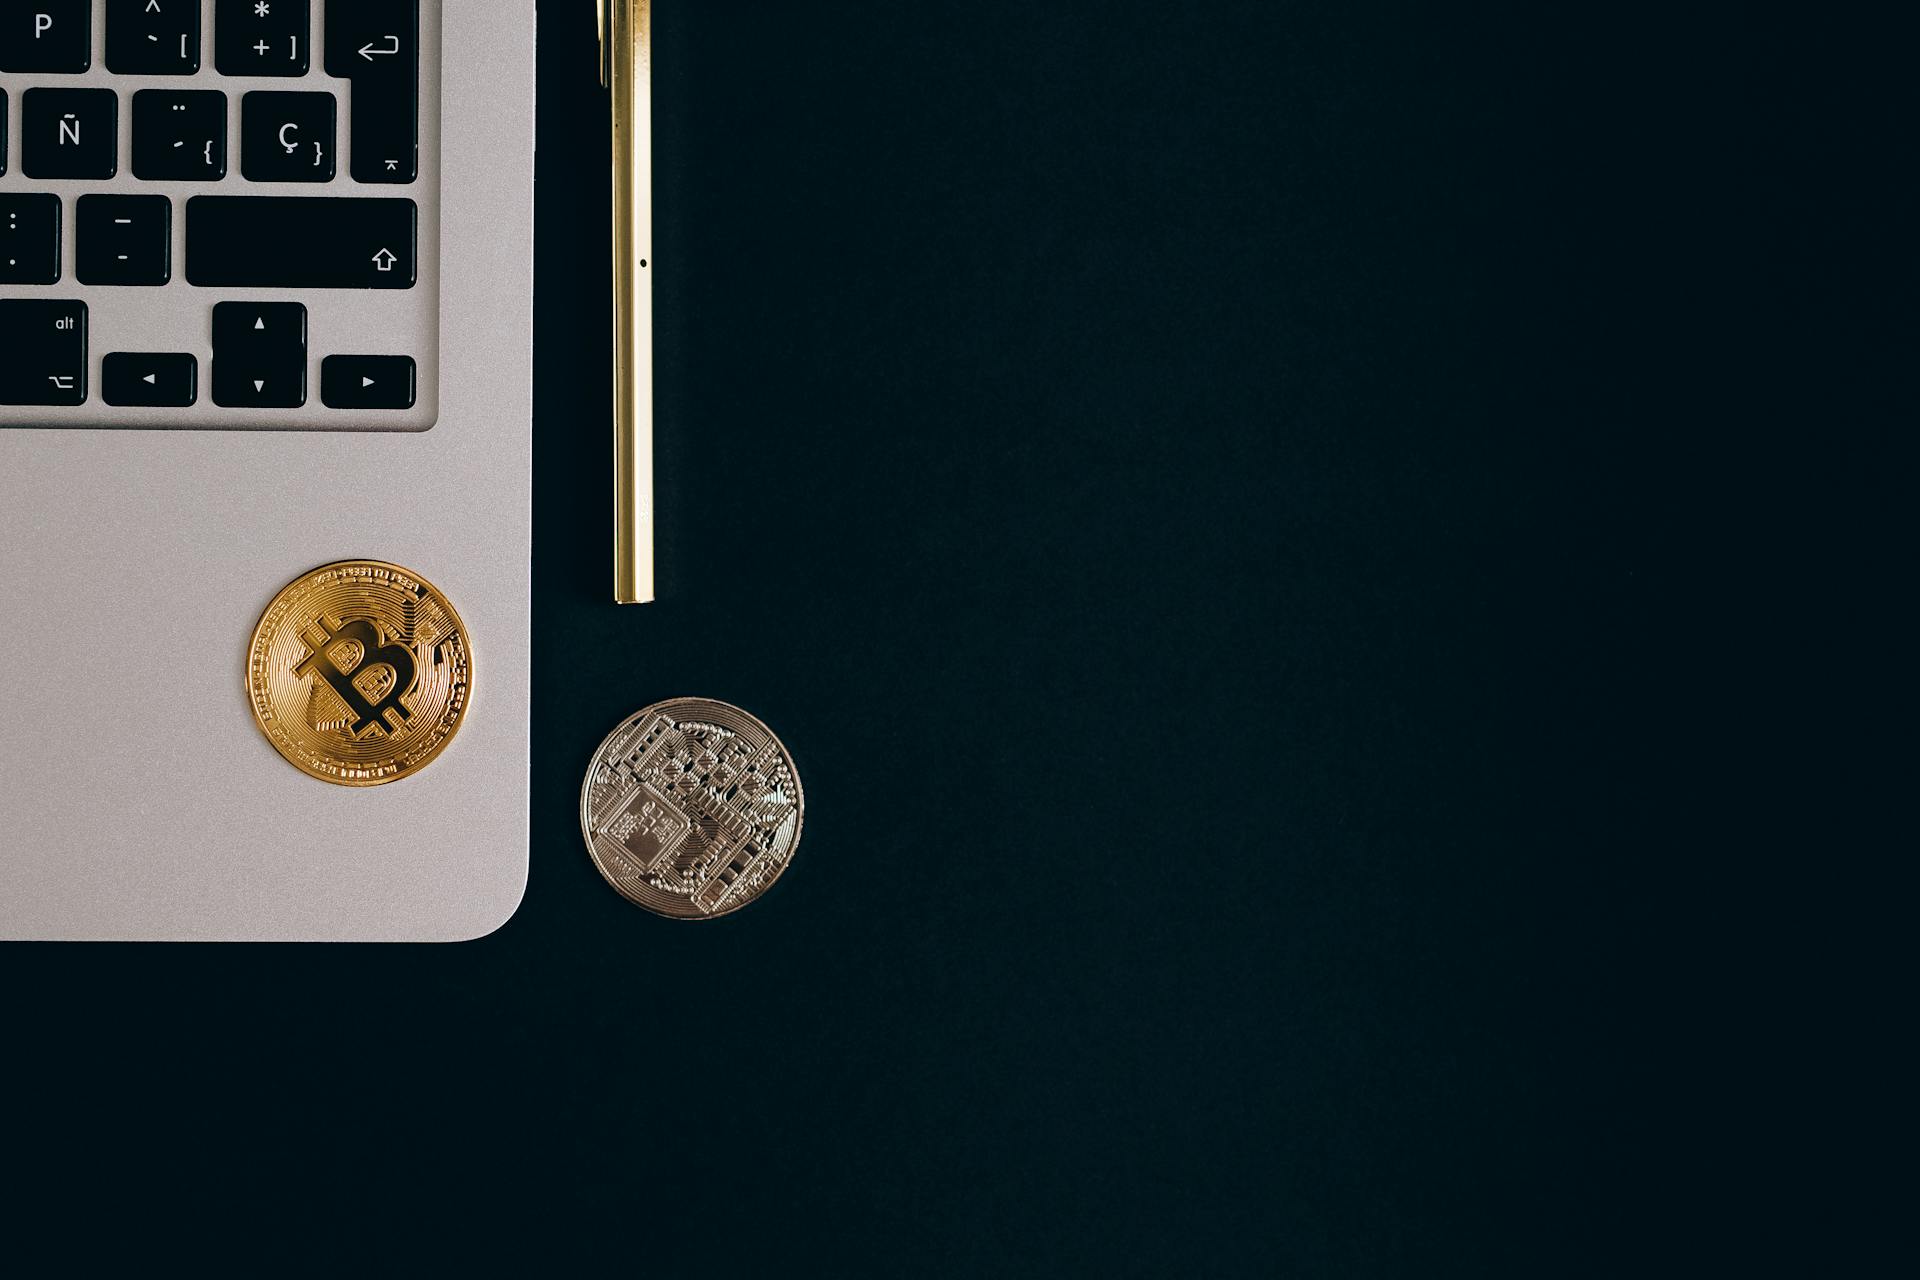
[253,647]
[593,767]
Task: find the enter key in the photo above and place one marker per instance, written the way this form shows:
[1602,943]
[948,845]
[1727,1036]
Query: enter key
[375,44]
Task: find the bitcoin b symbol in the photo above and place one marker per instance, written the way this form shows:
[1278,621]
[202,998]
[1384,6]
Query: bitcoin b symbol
[371,653]
[359,672]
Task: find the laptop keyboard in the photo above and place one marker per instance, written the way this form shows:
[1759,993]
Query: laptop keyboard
[209,220]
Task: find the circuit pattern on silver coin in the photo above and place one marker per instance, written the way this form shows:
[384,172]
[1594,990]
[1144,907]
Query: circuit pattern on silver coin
[691,808]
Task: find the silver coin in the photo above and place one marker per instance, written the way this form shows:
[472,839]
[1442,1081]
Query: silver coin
[691,808]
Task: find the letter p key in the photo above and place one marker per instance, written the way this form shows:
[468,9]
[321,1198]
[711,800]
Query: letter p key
[46,35]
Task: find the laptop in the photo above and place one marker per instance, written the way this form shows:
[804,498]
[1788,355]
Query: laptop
[266,288]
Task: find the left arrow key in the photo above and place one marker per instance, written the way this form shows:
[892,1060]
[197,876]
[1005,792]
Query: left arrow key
[135,379]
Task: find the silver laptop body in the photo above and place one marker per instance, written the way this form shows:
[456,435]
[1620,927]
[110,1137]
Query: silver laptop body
[139,546]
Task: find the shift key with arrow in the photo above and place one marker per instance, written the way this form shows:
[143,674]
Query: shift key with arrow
[375,44]
[302,242]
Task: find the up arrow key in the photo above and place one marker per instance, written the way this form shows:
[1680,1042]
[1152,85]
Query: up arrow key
[259,355]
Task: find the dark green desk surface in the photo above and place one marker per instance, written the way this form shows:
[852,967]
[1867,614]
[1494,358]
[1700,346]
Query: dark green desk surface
[1150,464]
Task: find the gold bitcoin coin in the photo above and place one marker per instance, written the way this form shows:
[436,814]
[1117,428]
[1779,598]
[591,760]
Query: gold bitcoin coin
[691,808]
[360,673]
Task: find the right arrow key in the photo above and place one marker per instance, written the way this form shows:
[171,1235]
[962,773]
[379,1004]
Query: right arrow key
[367,382]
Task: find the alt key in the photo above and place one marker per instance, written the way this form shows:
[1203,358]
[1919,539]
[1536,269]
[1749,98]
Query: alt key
[140,380]
[367,382]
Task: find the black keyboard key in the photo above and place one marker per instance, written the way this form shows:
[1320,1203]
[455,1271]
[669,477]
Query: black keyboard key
[46,35]
[69,133]
[153,37]
[376,45]
[287,137]
[123,239]
[251,38]
[29,240]
[141,379]
[45,342]
[255,327]
[180,135]
[300,242]
[3,130]
[367,382]
[259,355]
